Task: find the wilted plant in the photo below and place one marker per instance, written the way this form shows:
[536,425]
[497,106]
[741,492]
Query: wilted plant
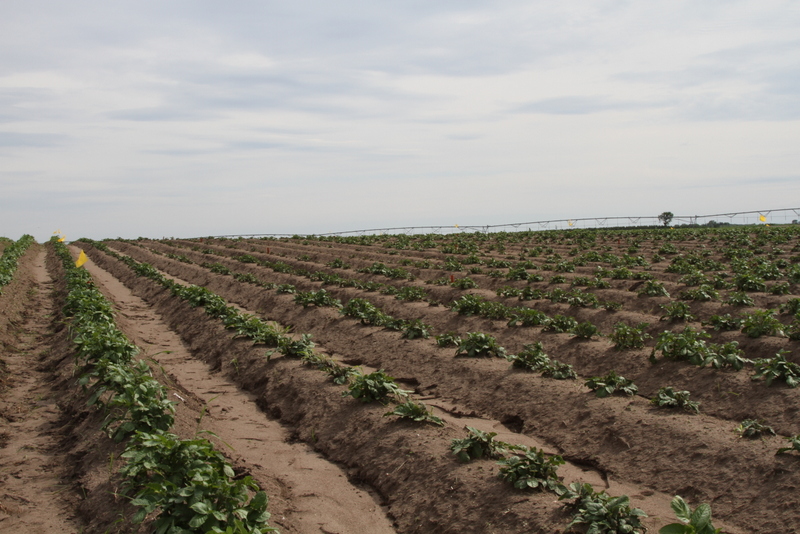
[416,411]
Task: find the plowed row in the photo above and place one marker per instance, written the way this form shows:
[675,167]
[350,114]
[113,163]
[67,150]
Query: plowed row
[623,445]
[656,453]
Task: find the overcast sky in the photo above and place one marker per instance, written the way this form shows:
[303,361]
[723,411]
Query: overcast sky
[191,118]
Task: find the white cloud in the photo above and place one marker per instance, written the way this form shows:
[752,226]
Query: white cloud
[383,113]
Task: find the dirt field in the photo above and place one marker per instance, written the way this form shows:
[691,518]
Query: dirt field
[334,465]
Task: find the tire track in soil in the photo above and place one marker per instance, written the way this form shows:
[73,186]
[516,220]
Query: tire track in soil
[33,495]
[308,494]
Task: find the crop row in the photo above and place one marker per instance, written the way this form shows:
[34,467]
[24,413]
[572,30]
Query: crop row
[8,261]
[523,467]
[689,345]
[188,483]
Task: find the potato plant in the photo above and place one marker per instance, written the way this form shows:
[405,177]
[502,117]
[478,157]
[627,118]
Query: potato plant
[531,470]
[416,411]
[667,397]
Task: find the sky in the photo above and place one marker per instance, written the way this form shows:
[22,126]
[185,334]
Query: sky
[195,118]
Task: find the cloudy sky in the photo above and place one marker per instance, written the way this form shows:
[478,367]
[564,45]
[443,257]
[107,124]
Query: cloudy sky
[191,118]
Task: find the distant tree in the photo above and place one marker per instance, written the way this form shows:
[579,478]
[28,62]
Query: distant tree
[666,218]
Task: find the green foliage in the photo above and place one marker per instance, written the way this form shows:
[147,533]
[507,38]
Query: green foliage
[749,282]
[611,306]
[692,522]
[450,339]
[338,263]
[477,344]
[411,294]
[688,345]
[318,298]
[778,368]
[416,329]
[669,398]
[629,337]
[464,283]
[604,386]
[602,513]
[725,322]
[791,306]
[527,317]
[751,428]
[704,293]
[652,288]
[559,371]
[532,357]
[533,470]
[416,412]
[478,444]
[762,323]
[560,324]
[366,312]
[191,485]
[377,386]
[794,445]
[739,298]
[585,330]
[677,311]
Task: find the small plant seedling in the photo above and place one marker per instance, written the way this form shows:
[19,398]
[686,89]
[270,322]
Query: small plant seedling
[778,368]
[794,445]
[533,470]
[604,386]
[750,428]
[416,411]
[377,386]
[477,344]
[669,398]
[692,522]
[478,444]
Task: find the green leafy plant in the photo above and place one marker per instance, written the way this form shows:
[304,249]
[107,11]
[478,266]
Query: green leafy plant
[794,445]
[559,371]
[318,298]
[450,339]
[192,486]
[560,324]
[604,386]
[477,344]
[739,298]
[602,513]
[416,411]
[762,323]
[688,345]
[652,288]
[667,397]
[585,330]
[778,368]
[692,522]
[677,311]
[725,322]
[478,444]
[464,283]
[532,357]
[751,428]
[416,329]
[377,386]
[629,337]
[532,470]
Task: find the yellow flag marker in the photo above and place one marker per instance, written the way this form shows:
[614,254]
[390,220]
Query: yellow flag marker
[569,222]
[81,259]
[762,218]
[456,226]
[63,238]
